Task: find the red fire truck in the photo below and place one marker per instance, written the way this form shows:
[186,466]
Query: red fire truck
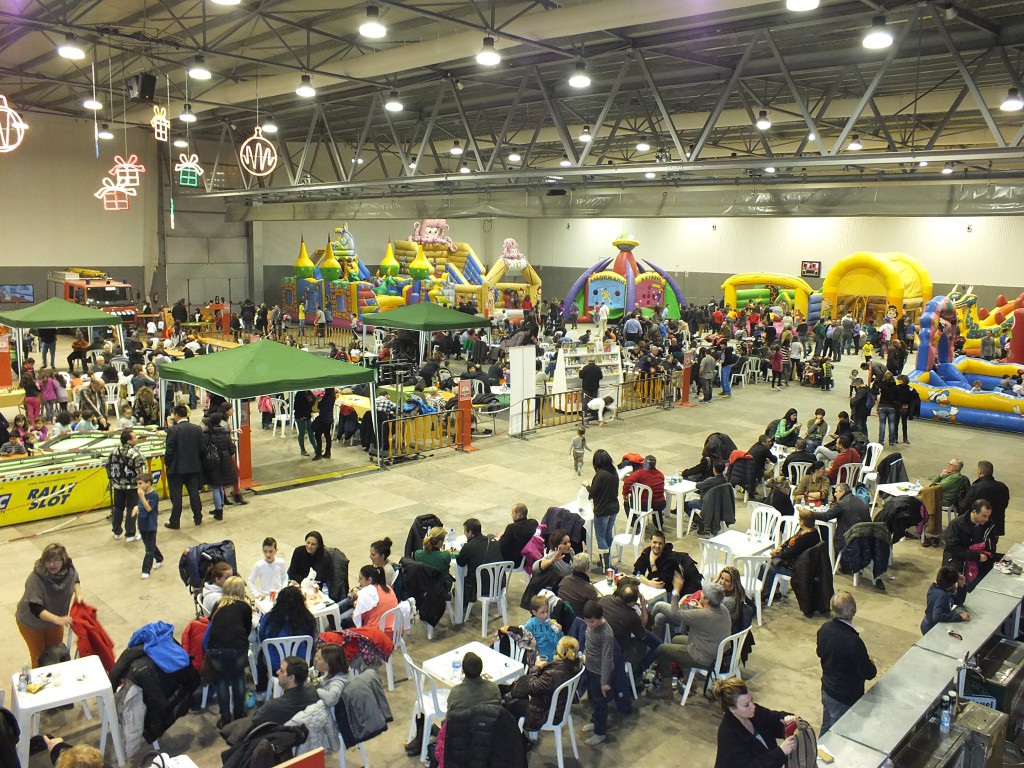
[93,288]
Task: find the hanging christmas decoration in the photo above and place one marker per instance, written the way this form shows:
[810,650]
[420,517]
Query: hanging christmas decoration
[258,155]
[12,127]
[161,125]
[126,171]
[189,170]
[114,195]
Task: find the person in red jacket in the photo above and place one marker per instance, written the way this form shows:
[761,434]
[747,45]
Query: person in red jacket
[847,455]
[654,479]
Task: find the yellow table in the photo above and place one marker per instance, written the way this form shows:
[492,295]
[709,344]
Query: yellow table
[12,398]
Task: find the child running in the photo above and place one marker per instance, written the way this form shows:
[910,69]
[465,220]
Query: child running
[579,445]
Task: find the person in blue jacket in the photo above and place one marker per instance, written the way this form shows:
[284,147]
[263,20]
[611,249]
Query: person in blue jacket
[945,598]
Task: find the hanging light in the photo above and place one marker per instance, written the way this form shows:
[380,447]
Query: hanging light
[947,168]
[305,89]
[922,164]
[187,115]
[91,103]
[412,166]
[800,6]
[70,49]
[372,26]
[878,36]
[650,175]
[580,78]
[393,103]
[565,162]
[456,149]
[855,144]
[269,126]
[181,142]
[771,168]
[812,136]
[585,137]
[104,132]
[689,151]
[1012,102]
[198,70]
[763,123]
[357,160]
[488,56]
[464,168]
[226,2]
[514,157]
[642,145]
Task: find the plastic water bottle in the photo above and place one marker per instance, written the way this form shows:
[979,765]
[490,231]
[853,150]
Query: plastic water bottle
[456,666]
[945,716]
[24,678]
[451,538]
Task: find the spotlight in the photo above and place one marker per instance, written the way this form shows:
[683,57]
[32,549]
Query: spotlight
[92,104]
[565,162]
[269,126]
[650,175]
[104,132]
[1012,102]
[585,137]
[947,168]
[878,36]
[763,123]
[187,115]
[514,157]
[580,78]
[305,89]
[70,49]
[456,149]
[811,136]
[771,169]
[198,70]
[855,144]
[464,168]
[372,26]
[642,145]
[181,143]
[393,103]
[800,6]
[226,2]
[488,56]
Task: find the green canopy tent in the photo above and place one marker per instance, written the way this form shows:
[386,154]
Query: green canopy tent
[426,318]
[263,368]
[59,313]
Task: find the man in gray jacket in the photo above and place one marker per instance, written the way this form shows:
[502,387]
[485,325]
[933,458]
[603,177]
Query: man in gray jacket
[848,510]
[706,627]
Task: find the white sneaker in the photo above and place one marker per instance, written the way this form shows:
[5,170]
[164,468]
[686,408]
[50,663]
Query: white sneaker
[157,566]
[136,537]
[145,575]
[117,537]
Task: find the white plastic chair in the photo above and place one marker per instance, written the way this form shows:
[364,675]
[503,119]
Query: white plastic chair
[397,633]
[733,643]
[713,558]
[112,399]
[797,470]
[431,703]
[498,576]
[282,416]
[848,473]
[828,528]
[752,570]
[869,464]
[554,723]
[740,374]
[516,651]
[293,645]
[787,529]
[765,522]
[635,534]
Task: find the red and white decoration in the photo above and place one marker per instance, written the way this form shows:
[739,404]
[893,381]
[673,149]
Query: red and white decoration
[114,195]
[126,172]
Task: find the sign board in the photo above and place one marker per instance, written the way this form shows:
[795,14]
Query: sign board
[810,269]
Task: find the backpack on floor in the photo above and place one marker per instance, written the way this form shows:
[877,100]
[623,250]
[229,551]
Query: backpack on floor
[806,753]
[862,493]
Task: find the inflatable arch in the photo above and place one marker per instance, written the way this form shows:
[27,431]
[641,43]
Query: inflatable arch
[753,286]
[876,283]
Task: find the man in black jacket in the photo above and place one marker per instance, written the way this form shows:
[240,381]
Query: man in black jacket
[761,453]
[517,534]
[845,663]
[298,694]
[658,562]
[478,550]
[975,527]
[183,460]
[590,382]
[995,493]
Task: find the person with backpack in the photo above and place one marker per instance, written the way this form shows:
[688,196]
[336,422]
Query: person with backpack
[124,465]
[845,663]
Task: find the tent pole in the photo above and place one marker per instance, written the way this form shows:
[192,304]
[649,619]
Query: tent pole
[163,400]
[374,421]
[20,351]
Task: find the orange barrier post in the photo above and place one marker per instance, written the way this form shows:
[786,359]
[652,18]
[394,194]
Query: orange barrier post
[6,372]
[244,448]
[684,389]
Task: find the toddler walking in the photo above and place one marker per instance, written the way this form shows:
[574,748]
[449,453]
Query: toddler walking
[579,445]
[146,514]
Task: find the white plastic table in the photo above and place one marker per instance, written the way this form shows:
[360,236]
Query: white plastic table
[742,544]
[651,594]
[80,679]
[498,668]
[318,604]
[679,488]
[894,489]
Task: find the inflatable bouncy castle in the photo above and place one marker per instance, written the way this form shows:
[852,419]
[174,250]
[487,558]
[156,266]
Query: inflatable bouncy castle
[625,283]
[876,285]
[777,291]
[509,292]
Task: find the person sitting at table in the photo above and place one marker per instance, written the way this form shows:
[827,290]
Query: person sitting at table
[478,550]
[380,551]
[846,455]
[731,582]
[539,686]
[625,610]
[517,534]
[800,454]
[784,558]
[473,689]
[813,487]
[311,556]
[969,548]
[653,478]
[268,574]
[717,478]
[748,733]
[658,562]
[373,598]
[292,675]
[576,588]
[545,630]
[332,665]
[214,586]
[558,556]
[289,617]
[847,510]
[945,599]
[435,555]
[703,627]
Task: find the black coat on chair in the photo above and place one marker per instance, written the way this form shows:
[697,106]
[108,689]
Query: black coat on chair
[812,581]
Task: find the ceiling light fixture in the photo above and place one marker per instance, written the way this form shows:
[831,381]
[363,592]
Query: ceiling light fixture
[771,168]
[187,115]
[565,162]
[1012,102]
[464,168]
[357,160]
[580,78]
[181,143]
[763,123]
[226,2]
[947,168]
[642,145]
[70,49]
[104,132]
[269,126]
[412,166]
[855,144]
[393,103]
[585,137]
[689,151]
[514,157]
[372,26]
[305,89]
[812,136]
[198,70]
[800,6]
[93,104]
[488,56]
[879,36]
[456,149]
[650,175]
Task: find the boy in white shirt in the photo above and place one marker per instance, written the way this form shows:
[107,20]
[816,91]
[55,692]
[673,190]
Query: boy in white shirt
[269,574]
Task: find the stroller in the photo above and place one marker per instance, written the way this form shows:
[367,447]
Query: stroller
[195,563]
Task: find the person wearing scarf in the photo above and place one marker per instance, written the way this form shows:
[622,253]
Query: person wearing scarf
[43,613]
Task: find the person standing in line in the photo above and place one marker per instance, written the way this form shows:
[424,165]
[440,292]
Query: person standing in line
[322,426]
[845,663]
[124,466]
[146,512]
[183,459]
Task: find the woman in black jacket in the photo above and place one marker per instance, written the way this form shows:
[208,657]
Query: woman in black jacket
[311,555]
[604,493]
[784,558]
[908,404]
[219,468]
[886,392]
[748,733]
[228,649]
[543,679]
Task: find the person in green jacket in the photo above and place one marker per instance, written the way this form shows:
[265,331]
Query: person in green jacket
[788,429]
[434,554]
[951,481]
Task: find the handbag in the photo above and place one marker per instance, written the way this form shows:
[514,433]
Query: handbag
[207,674]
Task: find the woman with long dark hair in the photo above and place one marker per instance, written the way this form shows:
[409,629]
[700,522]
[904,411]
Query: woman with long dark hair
[288,618]
[310,555]
[373,598]
[604,493]
[788,429]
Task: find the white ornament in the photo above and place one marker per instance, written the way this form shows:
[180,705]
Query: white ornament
[12,127]
[126,171]
[258,155]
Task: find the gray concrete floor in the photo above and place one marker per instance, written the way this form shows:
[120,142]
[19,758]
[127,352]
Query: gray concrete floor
[783,671]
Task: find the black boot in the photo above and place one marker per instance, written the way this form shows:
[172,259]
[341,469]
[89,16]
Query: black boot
[412,749]
[238,499]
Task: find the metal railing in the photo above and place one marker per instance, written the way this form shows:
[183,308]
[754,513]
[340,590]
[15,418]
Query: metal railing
[411,435]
